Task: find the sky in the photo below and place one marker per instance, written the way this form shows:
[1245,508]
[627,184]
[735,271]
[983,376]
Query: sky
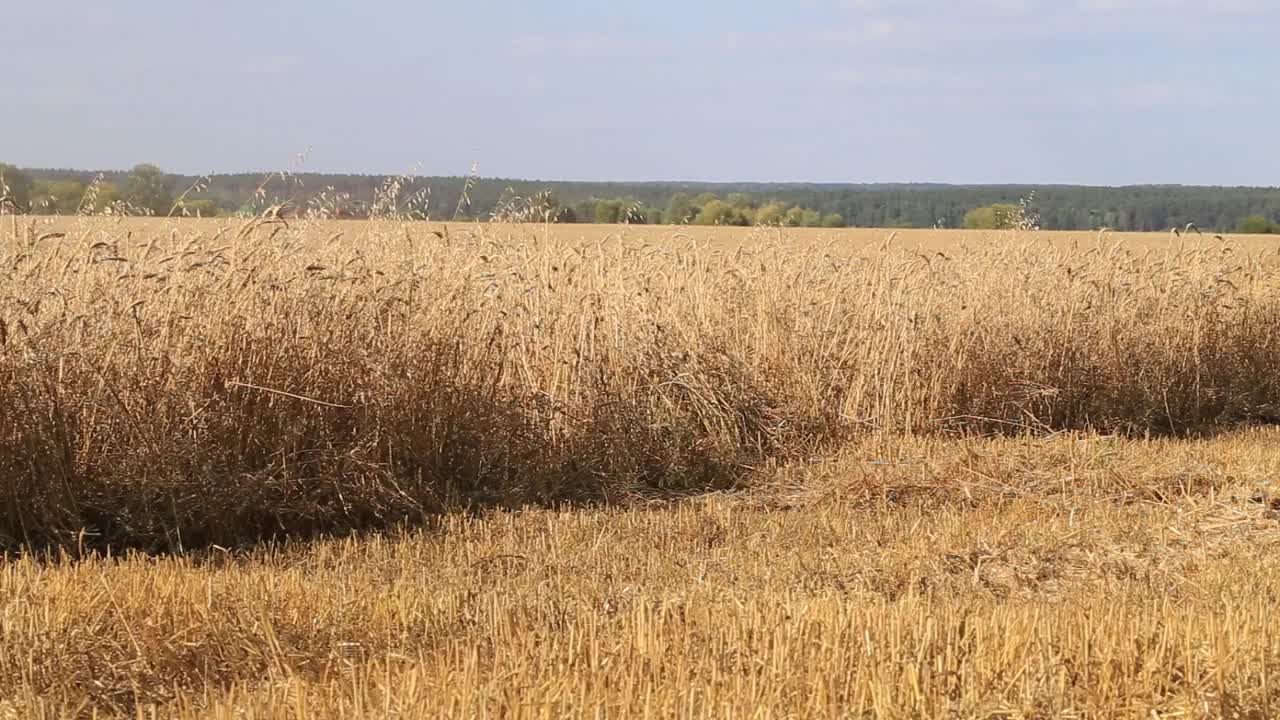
[964,91]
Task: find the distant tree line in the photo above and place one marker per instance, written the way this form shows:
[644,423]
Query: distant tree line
[735,209]
[147,190]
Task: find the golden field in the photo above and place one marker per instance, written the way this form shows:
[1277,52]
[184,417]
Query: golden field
[842,239]
[403,470]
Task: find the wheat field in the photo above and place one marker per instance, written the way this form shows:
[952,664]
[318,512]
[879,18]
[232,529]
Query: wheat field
[380,469]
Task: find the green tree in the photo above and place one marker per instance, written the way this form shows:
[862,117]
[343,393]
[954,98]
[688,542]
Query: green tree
[801,217]
[204,207]
[719,212]
[148,189]
[833,220]
[1257,225]
[38,197]
[772,214]
[993,217]
[105,197]
[57,197]
[609,212]
[612,211]
[680,210]
[15,185]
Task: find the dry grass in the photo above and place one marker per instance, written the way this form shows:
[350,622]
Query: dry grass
[946,479]
[1068,577]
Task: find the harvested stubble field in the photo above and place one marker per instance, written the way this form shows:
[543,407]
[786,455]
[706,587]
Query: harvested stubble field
[401,470]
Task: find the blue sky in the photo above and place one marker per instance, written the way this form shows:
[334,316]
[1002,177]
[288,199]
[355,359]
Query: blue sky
[1038,91]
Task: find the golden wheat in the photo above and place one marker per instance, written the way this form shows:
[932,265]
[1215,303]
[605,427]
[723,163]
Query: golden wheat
[183,384]
[949,477]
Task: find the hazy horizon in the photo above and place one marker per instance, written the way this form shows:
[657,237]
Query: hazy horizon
[658,181]
[976,92]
